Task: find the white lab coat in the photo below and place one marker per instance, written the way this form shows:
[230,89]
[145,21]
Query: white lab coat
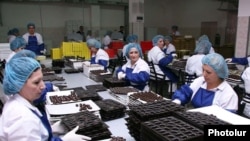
[19,123]
[224,97]
[101,55]
[194,65]
[170,48]
[155,55]
[246,78]
[38,37]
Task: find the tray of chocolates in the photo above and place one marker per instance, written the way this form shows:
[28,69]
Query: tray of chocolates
[123,90]
[170,129]
[89,125]
[96,87]
[113,82]
[61,97]
[179,63]
[144,97]
[52,77]
[71,70]
[234,77]
[71,108]
[111,109]
[99,75]
[84,94]
[199,119]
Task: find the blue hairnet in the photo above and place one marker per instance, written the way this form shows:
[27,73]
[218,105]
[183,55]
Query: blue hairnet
[10,32]
[93,43]
[131,38]
[168,38]
[17,71]
[24,53]
[156,39]
[15,31]
[133,45]
[203,37]
[203,47]
[31,24]
[18,42]
[218,63]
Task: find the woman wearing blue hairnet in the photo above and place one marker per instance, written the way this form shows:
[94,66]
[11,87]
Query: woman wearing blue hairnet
[34,40]
[99,56]
[16,45]
[136,71]
[21,120]
[160,60]
[12,34]
[205,37]
[106,40]
[211,88]
[130,39]
[168,47]
[194,64]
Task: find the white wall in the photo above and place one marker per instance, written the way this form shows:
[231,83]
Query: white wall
[159,16]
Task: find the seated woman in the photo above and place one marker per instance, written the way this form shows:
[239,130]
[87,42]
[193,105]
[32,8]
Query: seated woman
[161,60]
[194,64]
[205,37]
[169,47]
[136,71]
[99,56]
[211,88]
[16,45]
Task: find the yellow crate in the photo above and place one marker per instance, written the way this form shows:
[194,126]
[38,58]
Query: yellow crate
[56,53]
[75,49]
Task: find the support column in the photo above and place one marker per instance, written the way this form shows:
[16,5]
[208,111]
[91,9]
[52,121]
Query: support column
[136,18]
[242,48]
[95,18]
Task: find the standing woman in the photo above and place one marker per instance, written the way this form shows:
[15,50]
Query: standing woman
[136,71]
[34,40]
[20,119]
[99,56]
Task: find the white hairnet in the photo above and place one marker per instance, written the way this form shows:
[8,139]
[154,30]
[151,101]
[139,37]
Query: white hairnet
[203,47]
[17,71]
[18,42]
[133,45]
[218,63]
[156,39]
[93,43]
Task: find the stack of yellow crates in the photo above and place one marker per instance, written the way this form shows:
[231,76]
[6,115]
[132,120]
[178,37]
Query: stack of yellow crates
[71,49]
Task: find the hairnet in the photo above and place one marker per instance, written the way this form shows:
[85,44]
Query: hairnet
[15,31]
[24,53]
[133,45]
[17,71]
[93,43]
[218,63]
[131,38]
[168,38]
[203,47]
[31,24]
[156,39]
[203,37]
[18,42]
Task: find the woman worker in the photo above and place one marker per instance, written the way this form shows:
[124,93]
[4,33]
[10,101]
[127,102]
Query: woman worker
[160,61]
[20,119]
[16,45]
[99,56]
[211,88]
[34,40]
[136,71]
[168,47]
